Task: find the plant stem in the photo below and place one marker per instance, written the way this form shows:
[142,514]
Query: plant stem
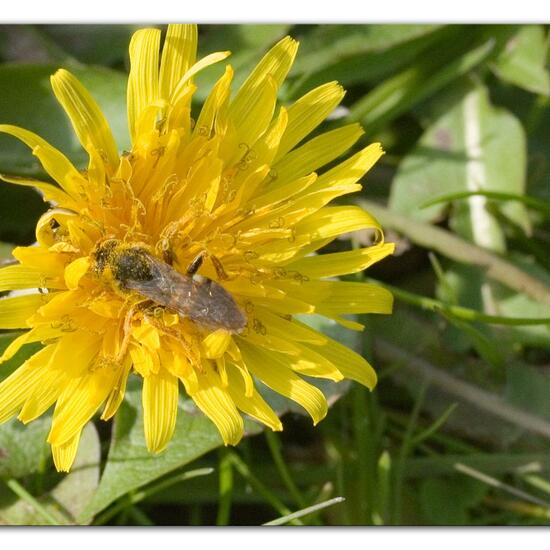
[23,494]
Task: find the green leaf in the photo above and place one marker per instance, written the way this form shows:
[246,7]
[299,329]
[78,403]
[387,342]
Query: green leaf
[371,66]
[28,101]
[77,488]
[523,61]
[92,44]
[472,146]
[23,448]
[129,463]
[64,501]
[447,501]
[325,45]
[401,92]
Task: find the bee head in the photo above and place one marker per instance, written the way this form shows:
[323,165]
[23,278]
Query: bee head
[103,253]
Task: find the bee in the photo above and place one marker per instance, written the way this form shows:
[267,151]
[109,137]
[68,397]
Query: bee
[202,300]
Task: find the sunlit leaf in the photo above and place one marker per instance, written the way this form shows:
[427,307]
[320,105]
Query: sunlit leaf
[523,61]
[472,146]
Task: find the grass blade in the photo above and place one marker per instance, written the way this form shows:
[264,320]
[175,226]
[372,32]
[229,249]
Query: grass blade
[449,245]
[306,511]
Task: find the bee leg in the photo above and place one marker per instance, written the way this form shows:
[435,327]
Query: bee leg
[195,265]
[220,271]
[126,328]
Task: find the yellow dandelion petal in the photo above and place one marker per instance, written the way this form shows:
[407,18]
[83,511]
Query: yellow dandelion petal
[56,164]
[44,395]
[341,263]
[188,257]
[274,371]
[350,364]
[252,118]
[75,271]
[143,81]
[89,123]
[214,400]
[317,152]
[41,258]
[117,393]
[63,455]
[160,409]
[250,402]
[335,297]
[19,385]
[216,343]
[16,277]
[215,101]
[145,361]
[178,55]
[39,333]
[307,113]
[14,312]
[335,220]
[276,63]
[211,59]
[80,399]
[352,169]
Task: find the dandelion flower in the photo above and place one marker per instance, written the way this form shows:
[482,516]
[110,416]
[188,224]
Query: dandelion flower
[226,209]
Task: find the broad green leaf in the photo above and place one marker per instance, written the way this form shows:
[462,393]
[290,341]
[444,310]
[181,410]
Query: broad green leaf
[447,501]
[523,61]
[28,101]
[23,448]
[66,499]
[325,45]
[472,146]
[130,465]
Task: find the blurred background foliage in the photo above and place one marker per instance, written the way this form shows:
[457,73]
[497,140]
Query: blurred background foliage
[458,429]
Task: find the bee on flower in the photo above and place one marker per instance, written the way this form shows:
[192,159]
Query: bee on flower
[188,258]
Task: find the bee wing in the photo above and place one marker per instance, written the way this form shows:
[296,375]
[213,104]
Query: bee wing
[200,299]
[214,307]
[167,288]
